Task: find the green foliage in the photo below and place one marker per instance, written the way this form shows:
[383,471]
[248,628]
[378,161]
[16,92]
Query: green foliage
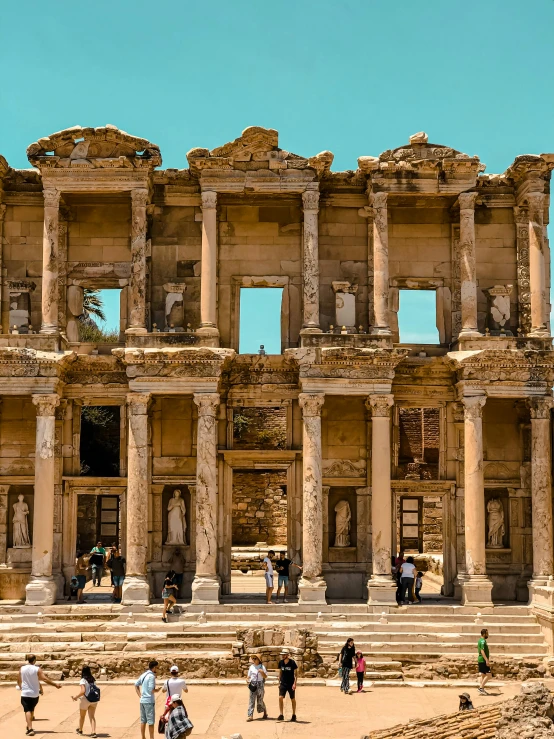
[98,415]
[92,305]
[89,332]
[240,425]
[275,438]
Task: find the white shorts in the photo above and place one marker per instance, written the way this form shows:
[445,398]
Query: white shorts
[84,703]
[269,579]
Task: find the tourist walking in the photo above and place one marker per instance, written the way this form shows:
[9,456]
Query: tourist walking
[111,553]
[29,681]
[283,566]
[287,684]
[178,567]
[97,560]
[267,564]
[173,686]
[346,660]
[117,565]
[145,687]
[88,697]
[418,586]
[483,661]
[360,670]
[81,569]
[407,570]
[178,724]
[169,594]
[255,680]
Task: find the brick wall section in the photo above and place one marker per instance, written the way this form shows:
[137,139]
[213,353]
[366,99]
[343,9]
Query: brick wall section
[261,428]
[432,525]
[259,508]
[419,444]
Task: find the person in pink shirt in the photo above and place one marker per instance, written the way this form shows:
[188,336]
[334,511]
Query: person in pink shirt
[360,670]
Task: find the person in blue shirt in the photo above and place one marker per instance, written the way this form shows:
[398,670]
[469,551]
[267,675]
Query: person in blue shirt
[146,687]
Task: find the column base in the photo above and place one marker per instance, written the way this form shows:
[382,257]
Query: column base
[469,333]
[41,591]
[205,591]
[312,590]
[307,330]
[136,330]
[135,591]
[539,333]
[379,331]
[541,592]
[381,589]
[476,590]
[46,329]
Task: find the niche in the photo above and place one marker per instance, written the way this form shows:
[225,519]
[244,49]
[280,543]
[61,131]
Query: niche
[28,497]
[497,521]
[167,496]
[336,496]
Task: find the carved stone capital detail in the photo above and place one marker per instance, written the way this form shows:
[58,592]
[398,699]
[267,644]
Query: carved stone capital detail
[535,201]
[51,198]
[139,198]
[467,200]
[137,403]
[378,200]
[310,200]
[209,199]
[473,406]
[46,404]
[311,403]
[380,405]
[540,407]
[207,403]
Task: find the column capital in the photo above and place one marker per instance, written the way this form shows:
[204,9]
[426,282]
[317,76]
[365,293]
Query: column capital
[209,199]
[540,407]
[139,197]
[310,200]
[380,405]
[137,403]
[377,200]
[51,197]
[467,200]
[473,406]
[311,403]
[46,404]
[535,201]
[207,403]
[521,214]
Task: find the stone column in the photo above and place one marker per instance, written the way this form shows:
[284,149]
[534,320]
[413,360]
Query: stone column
[137,282]
[378,202]
[381,588]
[41,588]
[541,488]
[206,584]
[312,586]
[537,266]
[476,586]
[208,276]
[468,275]
[50,239]
[136,589]
[310,267]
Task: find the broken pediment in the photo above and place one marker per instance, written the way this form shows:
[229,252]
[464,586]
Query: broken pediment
[4,167]
[90,148]
[255,149]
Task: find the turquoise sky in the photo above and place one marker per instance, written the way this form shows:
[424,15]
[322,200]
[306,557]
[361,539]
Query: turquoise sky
[353,76]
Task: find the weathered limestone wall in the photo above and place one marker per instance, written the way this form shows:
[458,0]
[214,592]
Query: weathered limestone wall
[259,508]
[173,436]
[344,434]
[99,229]
[17,436]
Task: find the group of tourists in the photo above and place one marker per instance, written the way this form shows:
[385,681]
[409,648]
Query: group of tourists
[282,565]
[409,581]
[95,562]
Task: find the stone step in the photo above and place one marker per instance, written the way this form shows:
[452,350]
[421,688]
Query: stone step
[391,636]
[393,648]
[456,628]
[71,647]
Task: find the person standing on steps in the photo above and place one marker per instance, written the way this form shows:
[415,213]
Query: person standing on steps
[97,560]
[81,570]
[283,566]
[287,684]
[169,594]
[88,697]
[346,660]
[29,681]
[268,567]
[407,573]
[117,565]
[483,662]
[256,687]
[145,687]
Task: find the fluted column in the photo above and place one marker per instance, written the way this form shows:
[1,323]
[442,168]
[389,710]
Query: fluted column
[312,586]
[468,274]
[208,276]
[41,589]
[537,265]
[541,488]
[476,586]
[378,202]
[136,589]
[206,584]
[381,588]
[310,268]
[137,283]
[50,262]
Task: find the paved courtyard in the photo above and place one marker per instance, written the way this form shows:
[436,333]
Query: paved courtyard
[218,711]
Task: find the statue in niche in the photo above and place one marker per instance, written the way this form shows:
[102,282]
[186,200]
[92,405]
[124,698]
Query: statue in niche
[176,520]
[20,522]
[342,524]
[495,520]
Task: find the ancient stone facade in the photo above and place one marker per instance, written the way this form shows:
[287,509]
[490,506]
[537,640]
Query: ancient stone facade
[364,420]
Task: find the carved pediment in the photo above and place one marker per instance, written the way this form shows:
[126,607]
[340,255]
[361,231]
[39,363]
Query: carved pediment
[90,148]
[526,367]
[343,468]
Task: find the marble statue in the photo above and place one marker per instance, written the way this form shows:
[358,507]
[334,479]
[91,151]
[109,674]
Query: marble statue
[342,525]
[176,521]
[20,522]
[495,520]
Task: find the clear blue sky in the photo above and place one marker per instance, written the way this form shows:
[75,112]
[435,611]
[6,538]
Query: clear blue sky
[353,76]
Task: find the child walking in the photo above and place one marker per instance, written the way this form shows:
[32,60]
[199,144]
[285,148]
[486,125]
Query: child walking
[360,670]
[418,586]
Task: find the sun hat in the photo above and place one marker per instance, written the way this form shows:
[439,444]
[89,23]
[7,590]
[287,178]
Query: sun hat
[175,697]
[174,668]
[285,651]
[465,695]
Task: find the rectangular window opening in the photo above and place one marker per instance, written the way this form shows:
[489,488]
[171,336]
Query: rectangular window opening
[417,317]
[260,320]
[100,440]
[100,321]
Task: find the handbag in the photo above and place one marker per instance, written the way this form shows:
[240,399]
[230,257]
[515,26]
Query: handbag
[161,725]
[252,687]
[340,671]
[187,723]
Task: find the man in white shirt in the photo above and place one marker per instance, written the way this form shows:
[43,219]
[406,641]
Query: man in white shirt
[175,685]
[29,682]
[268,567]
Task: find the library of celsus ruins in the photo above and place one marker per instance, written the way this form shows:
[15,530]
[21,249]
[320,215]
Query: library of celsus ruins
[350,445]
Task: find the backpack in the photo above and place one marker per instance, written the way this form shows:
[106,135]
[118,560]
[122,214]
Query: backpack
[93,693]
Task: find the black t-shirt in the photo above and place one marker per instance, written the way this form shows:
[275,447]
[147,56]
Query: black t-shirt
[282,567]
[347,655]
[96,559]
[117,566]
[286,672]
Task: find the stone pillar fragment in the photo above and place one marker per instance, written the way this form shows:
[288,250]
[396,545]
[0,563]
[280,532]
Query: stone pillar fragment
[378,201]
[468,274]
[476,586]
[41,588]
[206,584]
[50,244]
[137,283]
[312,586]
[381,588]
[208,276]
[541,488]
[310,267]
[537,265]
[136,589]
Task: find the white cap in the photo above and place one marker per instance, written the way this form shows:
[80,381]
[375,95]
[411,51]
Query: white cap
[174,668]
[175,697]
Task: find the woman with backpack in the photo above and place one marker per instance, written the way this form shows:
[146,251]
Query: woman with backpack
[88,698]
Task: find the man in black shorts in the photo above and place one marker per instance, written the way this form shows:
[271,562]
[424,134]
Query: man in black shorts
[287,683]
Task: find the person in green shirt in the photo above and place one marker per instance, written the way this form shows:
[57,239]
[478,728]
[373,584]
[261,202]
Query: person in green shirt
[483,661]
